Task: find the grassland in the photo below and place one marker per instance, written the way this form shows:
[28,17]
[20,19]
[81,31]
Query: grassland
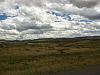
[41,57]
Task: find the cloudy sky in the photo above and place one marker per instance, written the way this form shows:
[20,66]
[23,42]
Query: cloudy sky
[34,19]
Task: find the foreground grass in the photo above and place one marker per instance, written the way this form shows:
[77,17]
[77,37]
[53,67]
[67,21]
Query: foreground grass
[42,57]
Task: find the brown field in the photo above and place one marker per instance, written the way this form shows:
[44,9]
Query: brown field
[40,57]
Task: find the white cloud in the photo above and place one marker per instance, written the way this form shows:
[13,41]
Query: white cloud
[31,19]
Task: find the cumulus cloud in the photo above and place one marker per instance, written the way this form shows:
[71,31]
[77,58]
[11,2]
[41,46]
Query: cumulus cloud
[34,19]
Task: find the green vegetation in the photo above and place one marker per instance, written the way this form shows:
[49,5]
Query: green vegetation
[45,56]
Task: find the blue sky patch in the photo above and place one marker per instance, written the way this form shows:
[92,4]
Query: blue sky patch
[87,21]
[4,16]
[63,15]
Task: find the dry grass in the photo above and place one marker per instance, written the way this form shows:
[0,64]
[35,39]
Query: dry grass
[39,57]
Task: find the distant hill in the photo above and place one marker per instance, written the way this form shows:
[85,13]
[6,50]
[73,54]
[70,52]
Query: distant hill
[52,39]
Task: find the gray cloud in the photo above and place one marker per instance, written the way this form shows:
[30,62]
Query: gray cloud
[2,0]
[22,26]
[84,3]
[59,1]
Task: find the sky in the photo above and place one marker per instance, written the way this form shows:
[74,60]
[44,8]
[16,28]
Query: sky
[34,19]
